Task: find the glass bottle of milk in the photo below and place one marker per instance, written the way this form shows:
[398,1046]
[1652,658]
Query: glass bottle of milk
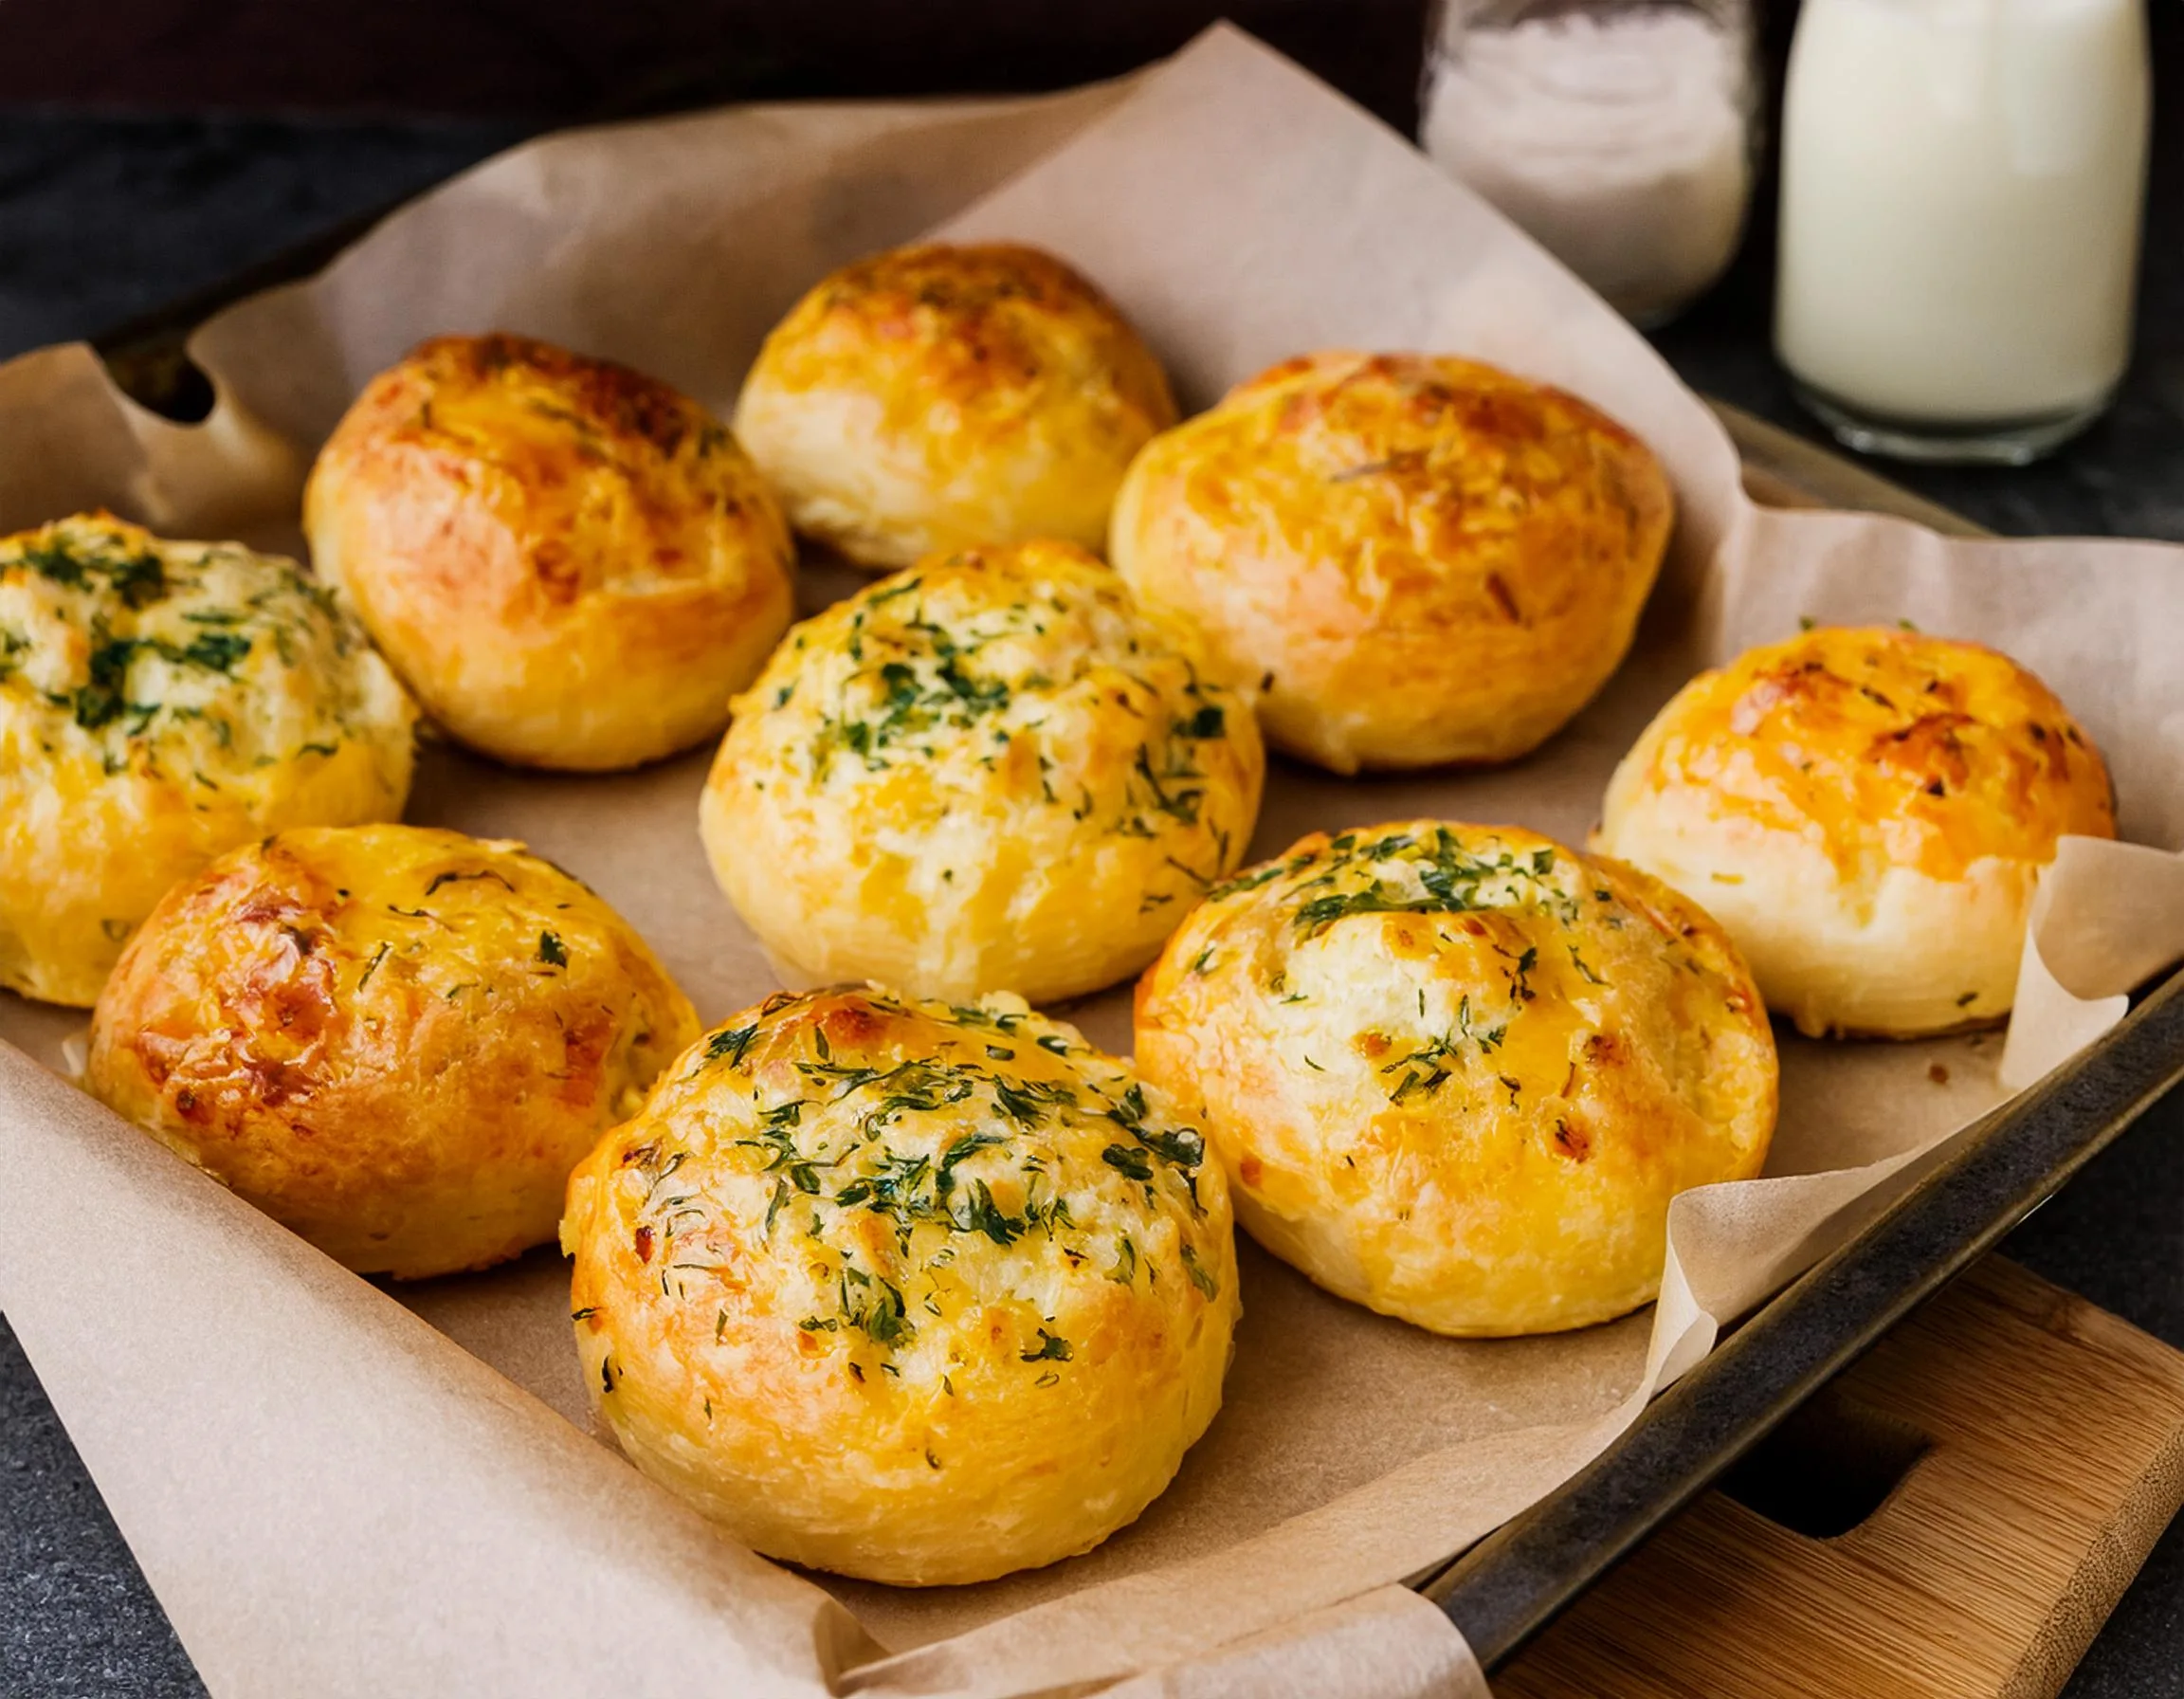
[1963,185]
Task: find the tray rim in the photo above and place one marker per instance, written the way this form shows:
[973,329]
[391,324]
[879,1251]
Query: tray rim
[1508,1586]
[1514,1581]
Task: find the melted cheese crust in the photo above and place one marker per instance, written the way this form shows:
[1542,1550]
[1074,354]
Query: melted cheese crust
[1457,1073]
[1867,811]
[903,1292]
[395,1041]
[1424,559]
[942,398]
[161,703]
[989,773]
[573,566]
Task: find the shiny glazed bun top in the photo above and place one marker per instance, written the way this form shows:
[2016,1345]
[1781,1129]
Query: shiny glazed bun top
[1458,1072]
[396,1041]
[942,396]
[1866,811]
[992,772]
[1424,560]
[910,1293]
[161,701]
[573,565]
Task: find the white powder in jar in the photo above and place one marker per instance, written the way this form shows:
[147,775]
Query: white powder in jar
[1617,139]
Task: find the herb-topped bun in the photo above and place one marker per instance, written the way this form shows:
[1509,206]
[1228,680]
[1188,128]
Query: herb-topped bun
[395,1041]
[989,773]
[940,397]
[161,703]
[1424,560]
[1458,1072]
[573,565]
[909,1292]
[1867,812]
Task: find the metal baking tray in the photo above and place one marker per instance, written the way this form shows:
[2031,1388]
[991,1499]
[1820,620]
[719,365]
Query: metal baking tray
[1512,1583]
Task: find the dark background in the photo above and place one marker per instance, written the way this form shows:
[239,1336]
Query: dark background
[150,149]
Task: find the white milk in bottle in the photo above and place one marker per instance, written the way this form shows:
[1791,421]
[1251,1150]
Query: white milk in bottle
[1962,183]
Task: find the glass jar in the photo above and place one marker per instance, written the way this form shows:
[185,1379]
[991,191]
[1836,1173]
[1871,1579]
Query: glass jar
[1617,133]
[1962,186]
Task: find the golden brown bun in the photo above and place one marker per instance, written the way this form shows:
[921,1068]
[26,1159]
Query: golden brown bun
[937,397]
[1458,1072]
[1420,559]
[989,773]
[395,1041]
[161,703]
[1867,812]
[908,1292]
[572,565]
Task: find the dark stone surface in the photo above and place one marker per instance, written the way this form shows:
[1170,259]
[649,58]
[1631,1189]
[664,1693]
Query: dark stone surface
[76,1619]
[566,60]
[105,218]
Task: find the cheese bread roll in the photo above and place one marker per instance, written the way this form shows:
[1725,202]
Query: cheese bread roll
[395,1041]
[1867,812]
[938,397]
[573,565]
[989,773]
[1458,1072]
[1422,559]
[908,1292]
[160,702]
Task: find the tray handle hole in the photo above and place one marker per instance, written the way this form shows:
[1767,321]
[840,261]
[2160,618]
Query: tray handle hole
[158,374]
[1828,1467]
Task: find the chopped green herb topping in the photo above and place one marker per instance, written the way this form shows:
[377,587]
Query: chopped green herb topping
[874,1306]
[1200,1276]
[139,577]
[1130,1159]
[730,1043]
[1424,1071]
[890,1190]
[938,676]
[1400,875]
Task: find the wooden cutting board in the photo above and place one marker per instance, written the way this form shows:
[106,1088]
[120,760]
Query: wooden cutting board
[2026,1450]
[1955,1517]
